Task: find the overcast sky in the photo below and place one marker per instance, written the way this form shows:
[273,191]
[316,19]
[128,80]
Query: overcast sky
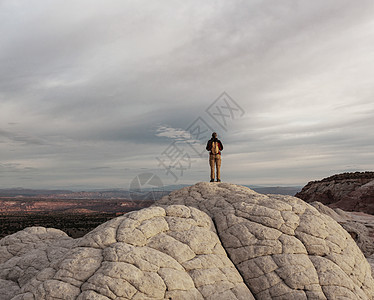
[93,93]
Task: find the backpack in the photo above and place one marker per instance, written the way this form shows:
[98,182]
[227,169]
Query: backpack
[215,148]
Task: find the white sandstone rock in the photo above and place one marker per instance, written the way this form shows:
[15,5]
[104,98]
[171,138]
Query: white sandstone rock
[283,247]
[155,253]
[208,241]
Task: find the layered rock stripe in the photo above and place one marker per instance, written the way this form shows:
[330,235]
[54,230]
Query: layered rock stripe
[348,191]
[207,241]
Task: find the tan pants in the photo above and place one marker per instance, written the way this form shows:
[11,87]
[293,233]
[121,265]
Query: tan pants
[215,160]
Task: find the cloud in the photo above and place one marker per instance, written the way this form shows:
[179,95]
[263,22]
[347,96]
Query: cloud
[176,134]
[23,139]
[89,89]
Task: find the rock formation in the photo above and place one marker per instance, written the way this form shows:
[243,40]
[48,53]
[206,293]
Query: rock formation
[348,191]
[283,247]
[359,225]
[207,241]
[155,253]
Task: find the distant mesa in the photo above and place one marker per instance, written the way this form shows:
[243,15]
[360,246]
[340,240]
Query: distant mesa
[21,192]
[207,241]
[348,191]
[282,190]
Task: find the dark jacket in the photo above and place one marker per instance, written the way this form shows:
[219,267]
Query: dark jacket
[209,145]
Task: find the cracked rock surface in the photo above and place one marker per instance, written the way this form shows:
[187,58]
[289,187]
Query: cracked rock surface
[207,241]
[358,224]
[282,246]
[156,253]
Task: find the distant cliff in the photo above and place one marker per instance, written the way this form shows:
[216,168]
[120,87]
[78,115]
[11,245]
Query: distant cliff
[348,191]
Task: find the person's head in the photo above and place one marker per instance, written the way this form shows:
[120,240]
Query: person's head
[214,135]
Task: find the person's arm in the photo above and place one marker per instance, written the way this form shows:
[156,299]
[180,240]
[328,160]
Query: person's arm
[220,146]
[209,145]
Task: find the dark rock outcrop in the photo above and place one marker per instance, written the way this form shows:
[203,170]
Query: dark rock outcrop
[348,191]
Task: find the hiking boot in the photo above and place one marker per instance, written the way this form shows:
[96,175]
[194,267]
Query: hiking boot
[212,180]
[218,180]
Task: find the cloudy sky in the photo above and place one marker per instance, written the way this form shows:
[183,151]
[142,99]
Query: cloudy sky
[93,93]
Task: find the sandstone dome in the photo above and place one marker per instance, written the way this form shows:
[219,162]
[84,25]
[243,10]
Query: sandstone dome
[207,241]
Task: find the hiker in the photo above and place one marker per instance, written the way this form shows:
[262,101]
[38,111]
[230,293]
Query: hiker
[215,147]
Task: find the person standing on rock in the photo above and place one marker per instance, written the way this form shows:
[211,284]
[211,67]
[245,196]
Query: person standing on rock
[214,146]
